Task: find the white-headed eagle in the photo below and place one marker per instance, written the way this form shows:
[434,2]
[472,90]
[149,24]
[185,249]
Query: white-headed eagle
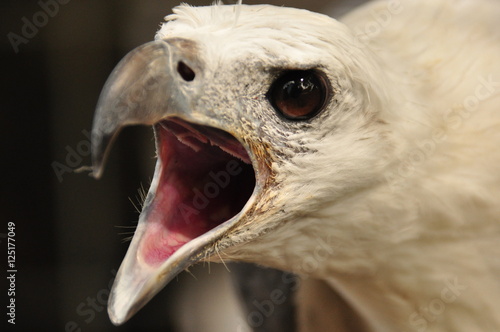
[363,154]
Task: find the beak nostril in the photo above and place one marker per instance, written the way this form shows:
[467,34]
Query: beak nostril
[185,71]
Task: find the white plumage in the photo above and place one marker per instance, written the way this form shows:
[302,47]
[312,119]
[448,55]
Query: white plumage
[390,196]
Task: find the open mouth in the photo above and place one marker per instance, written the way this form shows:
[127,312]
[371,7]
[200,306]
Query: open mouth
[205,178]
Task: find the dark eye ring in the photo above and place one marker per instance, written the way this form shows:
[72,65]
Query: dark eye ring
[299,94]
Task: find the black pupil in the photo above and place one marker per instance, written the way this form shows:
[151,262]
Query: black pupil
[298,94]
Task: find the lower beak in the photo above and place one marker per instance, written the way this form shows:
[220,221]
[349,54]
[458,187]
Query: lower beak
[137,281]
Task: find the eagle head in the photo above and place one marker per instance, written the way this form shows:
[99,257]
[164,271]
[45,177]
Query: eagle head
[262,116]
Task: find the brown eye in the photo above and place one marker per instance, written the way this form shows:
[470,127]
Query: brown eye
[299,94]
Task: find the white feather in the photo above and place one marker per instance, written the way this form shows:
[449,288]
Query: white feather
[395,201]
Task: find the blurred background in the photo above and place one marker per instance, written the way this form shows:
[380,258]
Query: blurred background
[71,231]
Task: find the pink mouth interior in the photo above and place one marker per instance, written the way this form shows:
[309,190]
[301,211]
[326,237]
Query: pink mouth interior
[205,180]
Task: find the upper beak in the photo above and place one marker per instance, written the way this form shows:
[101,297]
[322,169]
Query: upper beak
[146,86]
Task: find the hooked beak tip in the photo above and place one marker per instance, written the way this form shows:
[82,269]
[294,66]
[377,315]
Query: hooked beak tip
[96,172]
[101,145]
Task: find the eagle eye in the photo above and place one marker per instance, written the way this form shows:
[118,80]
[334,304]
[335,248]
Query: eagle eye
[299,94]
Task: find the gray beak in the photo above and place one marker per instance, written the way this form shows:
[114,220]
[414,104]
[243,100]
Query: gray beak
[145,87]
[153,83]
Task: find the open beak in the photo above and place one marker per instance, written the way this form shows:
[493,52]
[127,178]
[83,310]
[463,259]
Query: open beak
[204,180]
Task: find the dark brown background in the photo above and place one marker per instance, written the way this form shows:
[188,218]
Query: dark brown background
[67,240]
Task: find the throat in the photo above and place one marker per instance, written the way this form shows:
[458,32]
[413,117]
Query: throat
[434,283]
[443,287]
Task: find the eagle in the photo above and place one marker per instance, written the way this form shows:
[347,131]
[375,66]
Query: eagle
[361,154]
